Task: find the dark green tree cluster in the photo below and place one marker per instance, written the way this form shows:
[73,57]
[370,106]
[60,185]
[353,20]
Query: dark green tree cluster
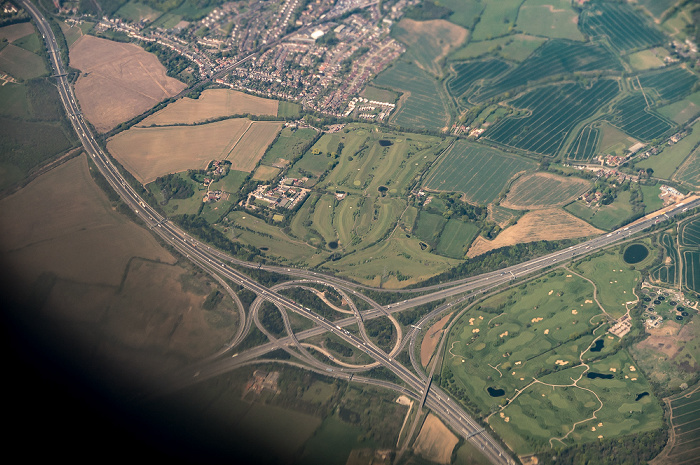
[271,319]
[338,347]
[174,187]
[428,10]
[382,331]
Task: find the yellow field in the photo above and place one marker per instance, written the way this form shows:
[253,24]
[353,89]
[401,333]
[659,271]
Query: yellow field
[152,152]
[435,441]
[265,173]
[550,225]
[120,81]
[544,190]
[212,104]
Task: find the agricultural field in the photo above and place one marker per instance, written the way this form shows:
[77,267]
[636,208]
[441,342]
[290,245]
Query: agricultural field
[683,110]
[656,8]
[669,84]
[676,24]
[125,296]
[651,198]
[464,14]
[115,85]
[555,19]
[624,29]
[647,59]
[633,116]
[20,63]
[685,436]
[672,158]
[547,224]
[380,95]
[16,31]
[211,104]
[666,273]
[455,238]
[288,109]
[512,47]
[554,57]
[152,152]
[435,441]
[605,217]
[585,145]
[690,234]
[73,32]
[689,171]
[533,355]
[422,104]
[554,111]
[497,19]
[543,190]
[136,11]
[429,42]
[470,72]
[479,172]
[289,145]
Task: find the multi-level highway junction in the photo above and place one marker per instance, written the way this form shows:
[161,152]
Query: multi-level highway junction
[415,384]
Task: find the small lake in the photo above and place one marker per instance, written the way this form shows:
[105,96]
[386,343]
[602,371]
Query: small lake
[594,375]
[640,396]
[385,143]
[598,346]
[635,253]
[494,392]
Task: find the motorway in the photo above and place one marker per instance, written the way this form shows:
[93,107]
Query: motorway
[219,264]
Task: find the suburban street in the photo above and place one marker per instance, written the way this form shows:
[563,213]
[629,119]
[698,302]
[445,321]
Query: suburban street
[220,264]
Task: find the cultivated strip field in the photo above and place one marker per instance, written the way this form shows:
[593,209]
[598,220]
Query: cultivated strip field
[685,421]
[539,225]
[152,152]
[632,116]
[120,81]
[669,84]
[554,111]
[553,58]
[479,172]
[211,104]
[689,171]
[584,147]
[470,72]
[624,28]
[422,105]
[544,190]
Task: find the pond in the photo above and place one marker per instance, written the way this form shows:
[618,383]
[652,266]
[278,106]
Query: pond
[598,346]
[635,253]
[639,396]
[333,244]
[385,143]
[594,375]
[495,392]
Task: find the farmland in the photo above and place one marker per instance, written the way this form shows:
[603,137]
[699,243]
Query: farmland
[624,28]
[289,145]
[512,47]
[605,217]
[669,84]
[647,59]
[429,42]
[20,63]
[632,116]
[547,224]
[553,58]
[683,110]
[524,355]
[151,152]
[690,234]
[543,190]
[672,158]
[479,172]
[497,18]
[684,421]
[555,111]
[422,104]
[554,19]
[136,11]
[470,72]
[211,104]
[689,171]
[115,85]
[585,146]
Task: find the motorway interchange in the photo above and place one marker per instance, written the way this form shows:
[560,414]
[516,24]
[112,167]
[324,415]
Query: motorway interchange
[416,385]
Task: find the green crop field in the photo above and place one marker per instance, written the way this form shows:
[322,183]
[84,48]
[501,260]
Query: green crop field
[518,353]
[585,146]
[554,111]
[288,109]
[651,198]
[624,28]
[605,217]
[691,268]
[690,233]
[463,13]
[470,72]
[512,47]
[136,11]
[549,18]
[422,105]
[497,18]
[429,227]
[667,271]
[380,95]
[689,171]
[671,158]
[686,426]
[20,63]
[657,7]
[683,110]
[456,237]
[553,58]
[544,190]
[479,172]
[288,146]
[669,84]
[632,116]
